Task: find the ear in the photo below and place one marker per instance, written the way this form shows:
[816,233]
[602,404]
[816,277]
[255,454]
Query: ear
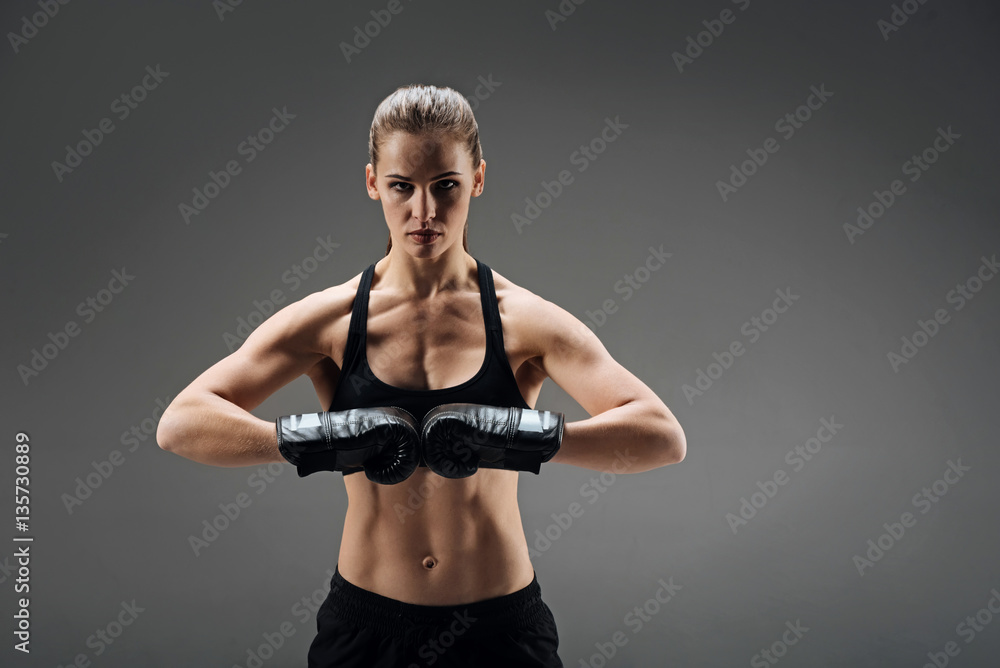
[479,179]
[370,181]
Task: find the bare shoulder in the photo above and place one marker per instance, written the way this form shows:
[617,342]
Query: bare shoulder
[537,324]
[326,316]
[514,300]
[561,347]
[334,300]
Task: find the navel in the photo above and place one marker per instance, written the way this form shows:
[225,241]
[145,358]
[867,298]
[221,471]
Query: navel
[430,562]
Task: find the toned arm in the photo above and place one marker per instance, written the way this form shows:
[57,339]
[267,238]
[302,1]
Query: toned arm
[631,430]
[209,421]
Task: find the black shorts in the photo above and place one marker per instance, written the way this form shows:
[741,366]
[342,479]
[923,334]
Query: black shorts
[357,627]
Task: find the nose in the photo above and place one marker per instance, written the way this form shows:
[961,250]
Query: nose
[424,206]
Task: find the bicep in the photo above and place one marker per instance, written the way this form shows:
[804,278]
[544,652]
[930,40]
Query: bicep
[282,348]
[578,362]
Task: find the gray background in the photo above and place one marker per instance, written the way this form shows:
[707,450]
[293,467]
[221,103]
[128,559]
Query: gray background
[826,357]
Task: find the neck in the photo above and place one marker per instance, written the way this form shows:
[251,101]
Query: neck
[423,278]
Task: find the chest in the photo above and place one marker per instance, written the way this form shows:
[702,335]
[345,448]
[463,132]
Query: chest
[426,345]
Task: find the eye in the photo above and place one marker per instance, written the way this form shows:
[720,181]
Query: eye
[405,187]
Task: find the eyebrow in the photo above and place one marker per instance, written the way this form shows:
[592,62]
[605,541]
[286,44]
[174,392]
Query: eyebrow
[407,178]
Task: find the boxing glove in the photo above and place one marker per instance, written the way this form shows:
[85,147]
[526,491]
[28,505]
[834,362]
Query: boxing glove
[383,441]
[458,439]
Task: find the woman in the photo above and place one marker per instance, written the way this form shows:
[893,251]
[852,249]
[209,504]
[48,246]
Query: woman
[433,569]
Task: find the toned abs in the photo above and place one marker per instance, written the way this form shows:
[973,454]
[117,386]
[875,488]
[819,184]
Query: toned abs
[431,540]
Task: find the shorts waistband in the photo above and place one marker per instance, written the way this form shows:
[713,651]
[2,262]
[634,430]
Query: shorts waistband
[387,615]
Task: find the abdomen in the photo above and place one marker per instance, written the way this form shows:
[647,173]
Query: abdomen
[435,541]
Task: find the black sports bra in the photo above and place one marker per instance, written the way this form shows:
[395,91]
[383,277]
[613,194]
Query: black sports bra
[493,384]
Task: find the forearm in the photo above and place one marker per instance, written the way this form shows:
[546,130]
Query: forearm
[210,430]
[631,438]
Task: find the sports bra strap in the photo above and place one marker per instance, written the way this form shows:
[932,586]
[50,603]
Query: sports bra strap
[359,312]
[487,297]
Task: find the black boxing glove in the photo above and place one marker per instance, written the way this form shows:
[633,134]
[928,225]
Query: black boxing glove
[384,442]
[458,439]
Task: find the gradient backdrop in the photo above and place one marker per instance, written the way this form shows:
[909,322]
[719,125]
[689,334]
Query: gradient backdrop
[822,175]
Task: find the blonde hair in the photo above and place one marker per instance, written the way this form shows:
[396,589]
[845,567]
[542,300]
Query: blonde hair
[423,109]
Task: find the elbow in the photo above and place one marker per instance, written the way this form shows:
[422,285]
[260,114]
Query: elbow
[165,437]
[177,427]
[170,431]
[674,448]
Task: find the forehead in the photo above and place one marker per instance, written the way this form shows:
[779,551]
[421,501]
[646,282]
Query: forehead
[411,154]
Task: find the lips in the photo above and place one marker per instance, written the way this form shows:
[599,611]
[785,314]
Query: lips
[424,237]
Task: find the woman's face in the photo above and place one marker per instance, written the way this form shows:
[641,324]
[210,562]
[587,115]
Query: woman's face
[425,182]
